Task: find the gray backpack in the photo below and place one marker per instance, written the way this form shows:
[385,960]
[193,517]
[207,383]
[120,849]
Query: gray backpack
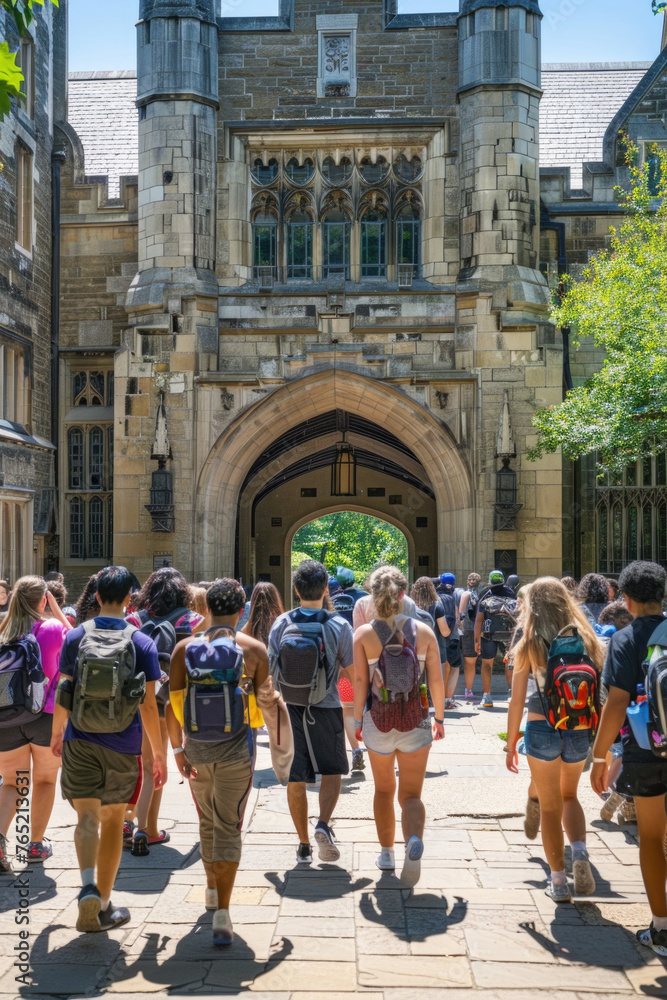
[107,691]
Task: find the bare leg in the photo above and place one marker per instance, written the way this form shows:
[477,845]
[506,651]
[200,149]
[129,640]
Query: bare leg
[384,778]
[329,792]
[452,682]
[574,820]
[469,671]
[224,873]
[111,846]
[297,800]
[153,818]
[411,771]
[546,776]
[487,674]
[87,832]
[147,788]
[12,761]
[651,824]
[44,775]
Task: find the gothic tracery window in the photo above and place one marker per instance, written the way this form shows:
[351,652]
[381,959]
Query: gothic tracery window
[631,515]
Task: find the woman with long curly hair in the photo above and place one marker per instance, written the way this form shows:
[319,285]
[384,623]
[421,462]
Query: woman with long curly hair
[265,606]
[556,758]
[593,592]
[25,748]
[397,732]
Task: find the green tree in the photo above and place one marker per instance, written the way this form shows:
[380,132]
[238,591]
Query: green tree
[11,77]
[357,541]
[621,304]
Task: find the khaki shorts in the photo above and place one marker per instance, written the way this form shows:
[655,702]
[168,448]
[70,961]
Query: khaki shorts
[90,771]
[221,792]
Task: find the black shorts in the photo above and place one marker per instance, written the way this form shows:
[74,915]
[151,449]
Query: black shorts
[490,647]
[644,781]
[454,653]
[327,736]
[37,731]
[468,644]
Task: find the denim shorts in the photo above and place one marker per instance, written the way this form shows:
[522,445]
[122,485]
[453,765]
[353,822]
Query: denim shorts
[544,743]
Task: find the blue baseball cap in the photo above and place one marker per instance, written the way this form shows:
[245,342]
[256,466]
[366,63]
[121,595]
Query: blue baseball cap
[447,579]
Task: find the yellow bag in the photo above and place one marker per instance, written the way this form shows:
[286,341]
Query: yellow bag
[255,717]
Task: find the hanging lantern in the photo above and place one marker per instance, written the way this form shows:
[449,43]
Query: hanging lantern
[344,471]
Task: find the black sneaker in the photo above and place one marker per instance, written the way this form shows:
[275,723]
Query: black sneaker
[657,940]
[304,854]
[113,917]
[140,847]
[326,843]
[89,909]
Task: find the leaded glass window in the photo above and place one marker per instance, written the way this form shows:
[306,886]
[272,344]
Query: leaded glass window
[264,236]
[299,173]
[337,173]
[96,528]
[373,246]
[336,245]
[96,459]
[76,528]
[299,249]
[631,508]
[265,173]
[75,458]
[408,239]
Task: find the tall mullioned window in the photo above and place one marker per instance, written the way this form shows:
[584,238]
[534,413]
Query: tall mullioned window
[631,515]
[24,197]
[316,213]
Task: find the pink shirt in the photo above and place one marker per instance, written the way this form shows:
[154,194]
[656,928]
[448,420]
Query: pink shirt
[50,635]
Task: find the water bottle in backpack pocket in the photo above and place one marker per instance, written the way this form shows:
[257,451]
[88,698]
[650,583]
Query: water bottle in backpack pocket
[570,694]
[302,664]
[214,706]
[23,683]
[655,684]
[107,690]
[395,686]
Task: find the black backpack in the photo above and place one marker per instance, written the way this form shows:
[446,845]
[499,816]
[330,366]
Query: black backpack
[473,601]
[655,685]
[164,636]
[344,605]
[23,683]
[302,673]
[500,616]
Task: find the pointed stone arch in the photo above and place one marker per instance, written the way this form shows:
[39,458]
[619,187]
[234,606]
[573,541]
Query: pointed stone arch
[221,480]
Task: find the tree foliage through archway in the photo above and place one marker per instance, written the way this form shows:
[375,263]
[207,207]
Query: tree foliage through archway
[357,541]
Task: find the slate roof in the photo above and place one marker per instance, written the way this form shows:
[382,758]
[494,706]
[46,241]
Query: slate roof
[579,102]
[101,110]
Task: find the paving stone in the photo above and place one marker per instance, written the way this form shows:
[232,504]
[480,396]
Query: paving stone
[160,942]
[473,994]
[413,971]
[337,927]
[501,945]
[317,907]
[529,975]
[649,980]
[316,977]
[624,914]
[242,895]
[316,949]
[379,940]
[154,977]
[56,979]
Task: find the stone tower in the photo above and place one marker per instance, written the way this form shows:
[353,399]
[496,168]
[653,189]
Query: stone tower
[499,93]
[177,96]
[172,302]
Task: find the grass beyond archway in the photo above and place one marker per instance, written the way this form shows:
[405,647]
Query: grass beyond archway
[348,538]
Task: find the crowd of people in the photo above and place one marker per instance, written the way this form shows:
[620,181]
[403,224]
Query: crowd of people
[99,692]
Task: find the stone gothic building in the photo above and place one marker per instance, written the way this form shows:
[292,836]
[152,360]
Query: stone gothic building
[309,271]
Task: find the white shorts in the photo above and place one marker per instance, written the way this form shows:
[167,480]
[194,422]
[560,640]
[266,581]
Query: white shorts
[388,743]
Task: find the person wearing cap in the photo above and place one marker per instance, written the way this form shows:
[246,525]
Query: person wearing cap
[446,590]
[488,645]
[345,580]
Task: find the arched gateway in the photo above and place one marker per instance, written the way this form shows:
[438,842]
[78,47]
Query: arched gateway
[288,438]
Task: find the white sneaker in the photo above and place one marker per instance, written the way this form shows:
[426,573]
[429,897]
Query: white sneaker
[211,899]
[386,861]
[412,866]
[223,931]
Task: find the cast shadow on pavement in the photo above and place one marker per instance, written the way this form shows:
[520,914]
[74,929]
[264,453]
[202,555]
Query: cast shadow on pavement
[297,885]
[602,885]
[89,963]
[426,915]
[42,888]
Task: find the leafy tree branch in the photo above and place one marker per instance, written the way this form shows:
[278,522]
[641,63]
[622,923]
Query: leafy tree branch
[11,77]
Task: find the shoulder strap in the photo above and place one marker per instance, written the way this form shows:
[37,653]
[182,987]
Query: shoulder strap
[382,629]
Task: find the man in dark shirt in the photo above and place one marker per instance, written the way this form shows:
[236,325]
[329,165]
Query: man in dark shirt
[644,776]
[101,772]
[485,645]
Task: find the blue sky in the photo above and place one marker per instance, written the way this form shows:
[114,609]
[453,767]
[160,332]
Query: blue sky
[102,34]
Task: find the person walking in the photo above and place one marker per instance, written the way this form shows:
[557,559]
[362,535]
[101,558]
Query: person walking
[165,597]
[265,606]
[24,747]
[593,592]
[98,735]
[390,654]
[307,649]
[643,774]
[467,613]
[220,767]
[425,596]
[556,757]
[494,623]
[450,595]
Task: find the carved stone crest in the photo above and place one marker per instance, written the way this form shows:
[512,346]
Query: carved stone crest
[227,399]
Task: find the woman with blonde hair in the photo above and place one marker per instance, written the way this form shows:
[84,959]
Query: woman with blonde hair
[25,748]
[390,654]
[556,757]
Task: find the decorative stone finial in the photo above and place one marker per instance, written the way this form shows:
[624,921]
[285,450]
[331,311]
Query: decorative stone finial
[161,447]
[505,446]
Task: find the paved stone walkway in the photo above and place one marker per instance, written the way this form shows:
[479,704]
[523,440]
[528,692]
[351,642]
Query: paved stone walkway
[478,924]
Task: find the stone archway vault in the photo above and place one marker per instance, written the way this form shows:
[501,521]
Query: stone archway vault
[236,450]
